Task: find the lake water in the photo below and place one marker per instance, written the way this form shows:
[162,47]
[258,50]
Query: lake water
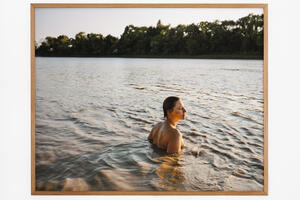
[93,116]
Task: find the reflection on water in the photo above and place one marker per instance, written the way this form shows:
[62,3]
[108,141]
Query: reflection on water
[93,116]
[170,173]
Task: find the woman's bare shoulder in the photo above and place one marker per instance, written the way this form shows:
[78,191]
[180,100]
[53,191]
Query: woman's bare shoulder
[174,131]
[159,124]
[155,127]
[154,130]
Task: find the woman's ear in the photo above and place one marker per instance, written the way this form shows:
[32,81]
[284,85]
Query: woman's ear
[169,112]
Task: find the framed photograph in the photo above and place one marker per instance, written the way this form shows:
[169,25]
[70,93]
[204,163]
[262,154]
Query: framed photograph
[149,99]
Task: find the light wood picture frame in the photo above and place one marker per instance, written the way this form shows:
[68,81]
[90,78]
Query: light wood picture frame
[35,191]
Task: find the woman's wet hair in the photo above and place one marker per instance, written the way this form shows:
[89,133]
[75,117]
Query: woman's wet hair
[169,104]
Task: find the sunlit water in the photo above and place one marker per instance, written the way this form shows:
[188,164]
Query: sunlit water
[93,116]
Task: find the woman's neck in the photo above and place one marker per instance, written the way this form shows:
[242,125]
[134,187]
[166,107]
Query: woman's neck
[171,122]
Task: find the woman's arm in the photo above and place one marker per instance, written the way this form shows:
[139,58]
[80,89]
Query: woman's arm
[174,144]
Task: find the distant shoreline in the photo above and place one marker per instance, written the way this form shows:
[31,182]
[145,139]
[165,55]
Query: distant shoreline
[220,56]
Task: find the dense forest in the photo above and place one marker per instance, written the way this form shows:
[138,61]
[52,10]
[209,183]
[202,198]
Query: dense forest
[243,37]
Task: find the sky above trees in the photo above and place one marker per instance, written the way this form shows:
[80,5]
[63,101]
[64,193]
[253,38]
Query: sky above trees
[70,21]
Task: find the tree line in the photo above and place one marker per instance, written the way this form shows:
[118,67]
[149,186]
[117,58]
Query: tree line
[241,37]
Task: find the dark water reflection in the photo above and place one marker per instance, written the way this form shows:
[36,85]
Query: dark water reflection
[94,114]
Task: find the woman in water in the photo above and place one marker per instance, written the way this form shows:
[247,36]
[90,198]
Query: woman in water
[164,134]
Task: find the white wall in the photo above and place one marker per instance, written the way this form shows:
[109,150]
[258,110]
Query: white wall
[284,134]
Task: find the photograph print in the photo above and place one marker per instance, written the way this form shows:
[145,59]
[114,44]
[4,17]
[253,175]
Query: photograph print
[149,99]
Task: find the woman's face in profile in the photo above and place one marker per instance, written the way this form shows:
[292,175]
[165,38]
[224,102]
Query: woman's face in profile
[178,112]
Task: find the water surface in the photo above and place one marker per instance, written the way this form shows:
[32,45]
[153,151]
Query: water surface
[93,116]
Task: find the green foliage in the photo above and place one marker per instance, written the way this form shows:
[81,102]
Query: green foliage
[241,37]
